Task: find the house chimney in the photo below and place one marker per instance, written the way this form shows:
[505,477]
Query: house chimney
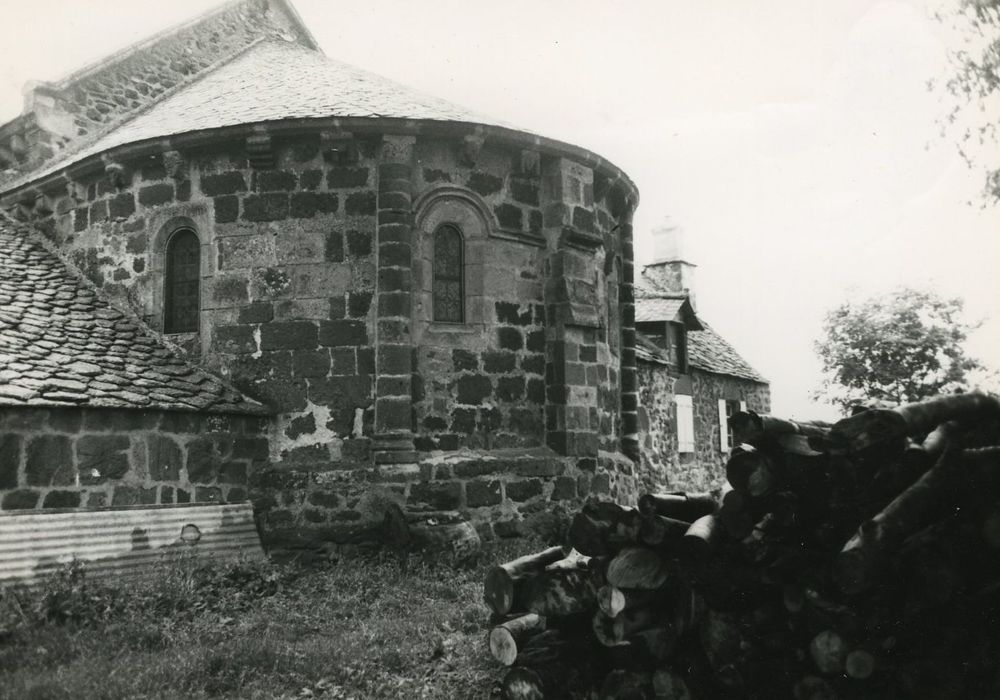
[669,272]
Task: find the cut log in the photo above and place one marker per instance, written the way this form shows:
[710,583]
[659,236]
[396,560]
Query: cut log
[859,664]
[886,427]
[679,506]
[657,530]
[626,685]
[750,427]
[828,650]
[562,592]
[506,638]
[670,685]
[735,514]
[751,472]
[702,538]
[506,585]
[814,688]
[720,639]
[602,528]
[873,544]
[612,600]
[638,567]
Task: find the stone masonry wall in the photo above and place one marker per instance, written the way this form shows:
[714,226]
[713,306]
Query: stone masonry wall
[314,300]
[72,457]
[662,467]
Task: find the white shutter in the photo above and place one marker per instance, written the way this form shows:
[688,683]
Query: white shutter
[743,406]
[685,424]
[723,427]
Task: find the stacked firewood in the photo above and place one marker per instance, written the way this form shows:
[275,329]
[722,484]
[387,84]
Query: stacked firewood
[853,560]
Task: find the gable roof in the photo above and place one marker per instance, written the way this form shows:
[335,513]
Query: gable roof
[674,308]
[61,344]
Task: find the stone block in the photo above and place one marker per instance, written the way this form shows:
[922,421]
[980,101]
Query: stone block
[340,178]
[319,280]
[464,360]
[524,489]
[484,183]
[601,485]
[344,362]
[121,206]
[255,448]
[340,333]
[98,212]
[473,388]
[394,255]
[479,493]
[358,304]
[533,364]
[524,191]
[564,488]
[393,414]
[498,362]
[394,279]
[256,312]
[22,499]
[230,290]
[310,179]
[510,388]
[154,195]
[134,496]
[463,420]
[510,528]
[207,494]
[234,339]
[301,425]
[360,204]
[165,458]
[510,216]
[62,499]
[274,180]
[233,473]
[289,335]
[437,495]
[359,243]
[509,338]
[305,205]
[272,206]
[394,304]
[583,219]
[511,313]
[223,183]
[227,209]
[10,459]
[526,421]
[311,363]
[540,467]
[202,461]
[395,359]
[49,461]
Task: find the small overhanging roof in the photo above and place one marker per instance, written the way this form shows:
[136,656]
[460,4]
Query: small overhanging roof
[673,309]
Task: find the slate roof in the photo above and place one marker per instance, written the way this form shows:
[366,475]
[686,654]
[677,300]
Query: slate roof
[271,80]
[61,344]
[709,351]
[666,308]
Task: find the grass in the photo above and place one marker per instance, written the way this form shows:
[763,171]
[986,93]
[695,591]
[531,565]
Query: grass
[382,625]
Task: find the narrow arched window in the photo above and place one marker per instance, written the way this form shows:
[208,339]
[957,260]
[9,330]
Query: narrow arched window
[183,274]
[449,269]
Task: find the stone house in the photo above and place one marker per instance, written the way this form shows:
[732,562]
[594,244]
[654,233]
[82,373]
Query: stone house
[690,379]
[231,268]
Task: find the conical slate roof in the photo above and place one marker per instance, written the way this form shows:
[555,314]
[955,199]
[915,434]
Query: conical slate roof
[272,80]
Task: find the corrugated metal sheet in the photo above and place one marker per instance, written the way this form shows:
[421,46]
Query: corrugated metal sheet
[132,542]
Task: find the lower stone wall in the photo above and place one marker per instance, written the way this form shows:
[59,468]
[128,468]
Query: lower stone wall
[664,469]
[505,493]
[91,457]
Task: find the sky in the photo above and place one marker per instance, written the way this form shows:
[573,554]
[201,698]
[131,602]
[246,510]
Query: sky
[795,142]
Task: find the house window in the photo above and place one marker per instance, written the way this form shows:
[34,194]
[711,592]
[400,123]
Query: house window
[685,423]
[183,274]
[727,409]
[676,345]
[449,284]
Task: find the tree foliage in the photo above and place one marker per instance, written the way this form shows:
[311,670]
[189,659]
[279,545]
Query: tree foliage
[899,347]
[975,85]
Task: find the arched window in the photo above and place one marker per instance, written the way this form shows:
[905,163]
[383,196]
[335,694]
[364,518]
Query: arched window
[183,274]
[449,283]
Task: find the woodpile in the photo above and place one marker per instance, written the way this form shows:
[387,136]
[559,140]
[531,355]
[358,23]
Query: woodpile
[853,560]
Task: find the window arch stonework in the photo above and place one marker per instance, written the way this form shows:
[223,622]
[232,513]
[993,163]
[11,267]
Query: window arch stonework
[448,213]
